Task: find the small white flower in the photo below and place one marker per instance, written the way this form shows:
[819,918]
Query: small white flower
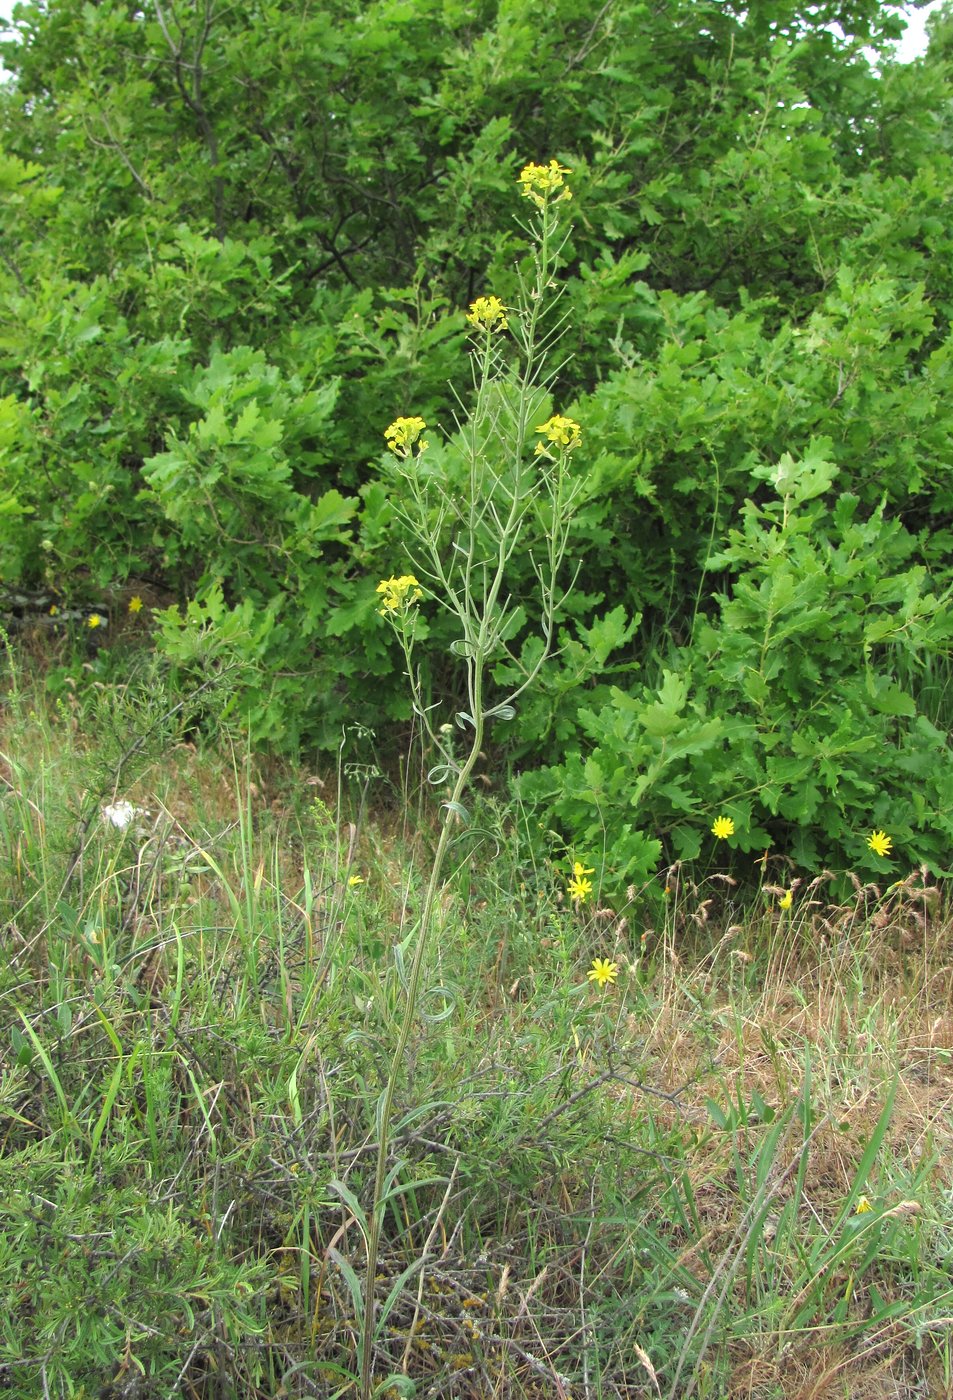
[120,814]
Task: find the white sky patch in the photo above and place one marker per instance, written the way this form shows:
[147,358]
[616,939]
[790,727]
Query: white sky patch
[914,41]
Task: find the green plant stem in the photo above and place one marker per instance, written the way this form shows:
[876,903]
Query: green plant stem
[413,988]
[481,627]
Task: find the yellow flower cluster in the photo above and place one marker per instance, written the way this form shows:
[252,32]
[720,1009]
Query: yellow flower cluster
[398,593]
[579,887]
[564,432]
[488,314]
[403,433]
[538,182]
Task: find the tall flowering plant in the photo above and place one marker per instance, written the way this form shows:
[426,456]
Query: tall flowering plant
[518,493]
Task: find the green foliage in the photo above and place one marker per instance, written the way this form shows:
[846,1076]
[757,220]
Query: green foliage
[224,271]
[784,712]
[121,1294]
[197,1011]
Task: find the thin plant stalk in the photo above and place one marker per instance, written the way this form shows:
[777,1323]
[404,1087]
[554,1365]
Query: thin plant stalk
[470,582]
[386,1103]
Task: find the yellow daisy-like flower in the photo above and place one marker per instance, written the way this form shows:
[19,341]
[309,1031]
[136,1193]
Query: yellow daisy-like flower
[562,432]
[863,1206]
[722,827]
[603,971]
[135,604]
[880,843]
[786,900]
[539,182]
[94,620]
[579,887]
[403,433]
[398,594]
[354,880]
[488,314]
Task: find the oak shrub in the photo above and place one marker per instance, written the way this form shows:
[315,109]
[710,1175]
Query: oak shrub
[224,273]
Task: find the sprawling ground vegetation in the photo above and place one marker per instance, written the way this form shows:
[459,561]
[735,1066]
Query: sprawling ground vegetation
[659,1185]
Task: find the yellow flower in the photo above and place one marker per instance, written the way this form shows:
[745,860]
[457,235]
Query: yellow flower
[488,314]
[880,843]
[355,880]
[786,900]
[863,1206]
[603,971]
[398,594]
[538,182]
[94,620]
[402,434]
[722,827]
[135,604]
[564,432]
[53,610]
[579,887]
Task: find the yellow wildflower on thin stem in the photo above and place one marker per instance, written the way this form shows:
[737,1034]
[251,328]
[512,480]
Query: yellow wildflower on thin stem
[603,972]
[488,314]
[94,620]
[863,1206]
[399,594]
[579,887]
[786,900]
[563,432]
[135,604]
[403,433]
[540,182]
[880,843]
[722,828]
[487,510]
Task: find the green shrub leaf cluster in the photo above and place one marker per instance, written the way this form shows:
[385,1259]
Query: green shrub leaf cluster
[235,244]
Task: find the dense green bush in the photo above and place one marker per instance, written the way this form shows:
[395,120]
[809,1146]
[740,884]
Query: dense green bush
[785,713]
[237,243]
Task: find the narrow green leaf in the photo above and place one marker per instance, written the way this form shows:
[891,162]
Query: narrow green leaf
[353,1204]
